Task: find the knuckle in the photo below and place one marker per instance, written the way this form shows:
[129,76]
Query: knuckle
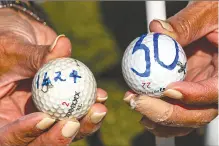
[13,138]
[35,57]
[184,29]
[49,139]
[63,141]
[21,140]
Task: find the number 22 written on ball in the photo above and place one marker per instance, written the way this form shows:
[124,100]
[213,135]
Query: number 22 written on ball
[139,46]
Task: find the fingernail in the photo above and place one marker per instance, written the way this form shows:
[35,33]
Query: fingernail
[173,94]
[54,43]
[102,99]
[97,117]
[45,123]
[128,97]
[165,25]
[70,129]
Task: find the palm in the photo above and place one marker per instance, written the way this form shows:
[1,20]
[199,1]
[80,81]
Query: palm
[15,100]
[202,61]
[17,103]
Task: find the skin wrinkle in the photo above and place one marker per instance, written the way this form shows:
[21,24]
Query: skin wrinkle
[16,114]
[23,28]
[143,105]
[23,96]
[207,90]
[8,65]
[33,61]
[184,27]
[192,74]
[44,34]
[16,105]
[204,74]
[196,119]
[19,58]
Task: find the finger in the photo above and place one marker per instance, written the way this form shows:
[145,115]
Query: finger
[37,55]
[61,47]
[175,115]
[101,95]
[28,58]
[24,130]
[202,92]
[61,134]
[42,54]
[164,131]
[191,23]
[92,121]
[213,37]
[129,95]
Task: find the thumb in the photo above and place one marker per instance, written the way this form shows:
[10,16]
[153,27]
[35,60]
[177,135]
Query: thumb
[193,22]
[202,92]
[61,47]
[24,59]
[24,130]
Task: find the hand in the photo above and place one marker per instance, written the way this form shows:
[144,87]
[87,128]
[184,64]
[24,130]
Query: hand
[24,47]
[193,102]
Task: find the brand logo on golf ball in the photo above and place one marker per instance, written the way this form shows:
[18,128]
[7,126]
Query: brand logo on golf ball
[74,104]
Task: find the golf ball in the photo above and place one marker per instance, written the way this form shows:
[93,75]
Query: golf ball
[64,88]
[151,62]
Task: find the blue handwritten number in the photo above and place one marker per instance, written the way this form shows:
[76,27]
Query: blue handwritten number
[46,80]
[137,47]
[156,54]
[58,77]
[75,75]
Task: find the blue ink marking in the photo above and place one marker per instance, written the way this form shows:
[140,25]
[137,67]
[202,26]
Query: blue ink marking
[46,80]
[58,77]
[137,47]
[37,81]
[156,54]
[75,75]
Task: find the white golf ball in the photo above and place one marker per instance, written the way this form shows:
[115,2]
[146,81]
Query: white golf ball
[153,61]
[64,88]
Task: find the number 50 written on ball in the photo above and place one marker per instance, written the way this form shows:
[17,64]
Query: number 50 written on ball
[140,46]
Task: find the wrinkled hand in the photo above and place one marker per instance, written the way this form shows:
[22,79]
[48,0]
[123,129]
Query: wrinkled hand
[193,102]
[23,50]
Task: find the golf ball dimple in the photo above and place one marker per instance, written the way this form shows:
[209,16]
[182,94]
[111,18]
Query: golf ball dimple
[153,61]
[64,88]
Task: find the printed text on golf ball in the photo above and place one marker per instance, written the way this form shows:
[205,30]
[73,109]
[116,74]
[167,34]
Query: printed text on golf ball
[64,88]
[153,61]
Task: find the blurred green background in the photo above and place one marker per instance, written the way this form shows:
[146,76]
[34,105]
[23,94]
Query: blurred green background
[95,44]
[99,33]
